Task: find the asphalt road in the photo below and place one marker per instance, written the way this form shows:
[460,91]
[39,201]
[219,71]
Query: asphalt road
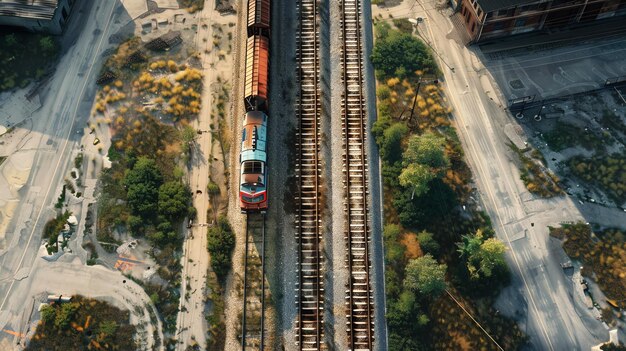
[66,104]
[540,294]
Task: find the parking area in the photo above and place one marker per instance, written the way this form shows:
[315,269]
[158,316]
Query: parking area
[557,69]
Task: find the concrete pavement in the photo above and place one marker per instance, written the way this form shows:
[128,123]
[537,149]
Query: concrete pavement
[53,136]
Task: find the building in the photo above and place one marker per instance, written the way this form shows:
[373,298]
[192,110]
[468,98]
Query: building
[47,16]
[489,19]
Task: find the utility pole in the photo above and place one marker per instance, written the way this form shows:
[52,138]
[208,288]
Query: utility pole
[419,83]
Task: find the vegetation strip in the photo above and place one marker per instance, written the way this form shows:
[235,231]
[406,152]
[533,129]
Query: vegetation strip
[435,237]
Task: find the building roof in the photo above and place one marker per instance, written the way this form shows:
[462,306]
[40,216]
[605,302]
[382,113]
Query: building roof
[35,9]
[491,5]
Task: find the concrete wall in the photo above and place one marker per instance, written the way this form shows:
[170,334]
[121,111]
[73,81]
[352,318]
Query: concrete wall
[53,26]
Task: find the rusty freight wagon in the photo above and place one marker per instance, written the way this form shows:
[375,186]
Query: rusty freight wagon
[259,18]
[257,64]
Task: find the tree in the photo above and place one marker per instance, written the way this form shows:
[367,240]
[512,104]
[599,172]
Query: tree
[404,315]
[424,160]
[142,184]
[429,208]
[174,198]
[416,176]
[391,146]
[483,255]
[397,50]
[491,256]
[10,40]
[426,276]
[220,243]
[427,243]
[427,149]
[65,314]
[47,44]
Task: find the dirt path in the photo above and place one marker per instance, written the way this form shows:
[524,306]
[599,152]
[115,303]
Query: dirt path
[206,161]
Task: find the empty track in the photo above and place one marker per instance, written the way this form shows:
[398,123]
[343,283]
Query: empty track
[253,315]
[360,324]
[310,291]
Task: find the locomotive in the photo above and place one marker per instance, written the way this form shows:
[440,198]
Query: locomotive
[253,156]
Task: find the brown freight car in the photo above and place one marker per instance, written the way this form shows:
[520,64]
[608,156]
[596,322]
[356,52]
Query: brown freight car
[257,63]
[259,17]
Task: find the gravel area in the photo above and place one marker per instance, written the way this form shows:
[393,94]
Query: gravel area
[234,285]
[281,243]
[337,278]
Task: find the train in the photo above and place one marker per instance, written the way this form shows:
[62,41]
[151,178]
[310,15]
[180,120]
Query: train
[253,177]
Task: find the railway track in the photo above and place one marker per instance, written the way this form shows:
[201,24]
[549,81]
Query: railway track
[310,289]
[359,301]
[253,315]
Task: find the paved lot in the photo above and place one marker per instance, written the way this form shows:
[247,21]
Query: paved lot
[558,71]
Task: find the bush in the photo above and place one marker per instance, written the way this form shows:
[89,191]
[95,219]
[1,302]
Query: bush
[83,324]
[221,243]
[174,199]
[606,172]
[401,51]
[427,243]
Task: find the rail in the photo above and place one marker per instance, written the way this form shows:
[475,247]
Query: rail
[310,289]
[358,295]
[253,324]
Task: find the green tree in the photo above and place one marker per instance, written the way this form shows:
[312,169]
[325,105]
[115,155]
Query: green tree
[220,243]
[470,244]
[398,50]
[65,314]
[427,243]
[426,276]
[404,315]
[391,146]
[483,255]
[174,198]
[47,44]
[491,256]
[416,176]
[394,250]
[427,149]
[142,184]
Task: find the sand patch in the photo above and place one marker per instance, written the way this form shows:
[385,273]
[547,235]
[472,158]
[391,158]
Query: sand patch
[7,210]
[16,168]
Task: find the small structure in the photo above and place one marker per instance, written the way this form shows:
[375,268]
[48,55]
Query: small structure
[59,298]
[47,16]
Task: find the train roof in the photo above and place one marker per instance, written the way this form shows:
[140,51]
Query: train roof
[255,117]
[258,13]
[257,62]
[254,133]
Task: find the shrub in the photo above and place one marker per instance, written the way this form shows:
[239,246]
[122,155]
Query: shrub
[221,243]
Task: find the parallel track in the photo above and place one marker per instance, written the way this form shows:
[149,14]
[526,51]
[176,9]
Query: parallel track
[253,320]
[310,291]
[359,301]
